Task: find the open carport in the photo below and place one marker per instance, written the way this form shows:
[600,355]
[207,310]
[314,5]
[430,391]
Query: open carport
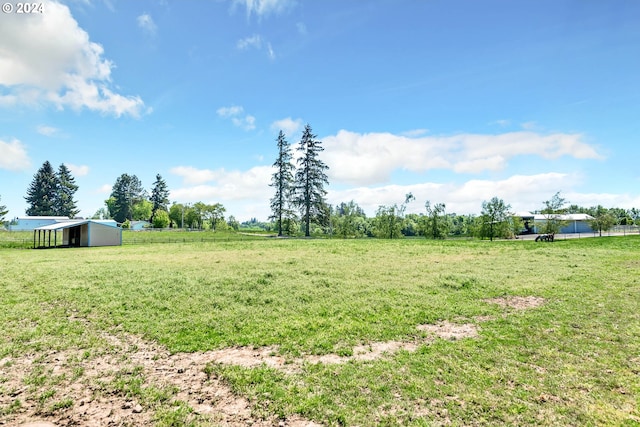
[79,233]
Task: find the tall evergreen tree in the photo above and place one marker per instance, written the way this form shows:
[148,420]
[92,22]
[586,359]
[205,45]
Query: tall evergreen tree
[64,203]
[310,178]
[159,196]
[42,193]
[3,212]
[282,181]
[126,192]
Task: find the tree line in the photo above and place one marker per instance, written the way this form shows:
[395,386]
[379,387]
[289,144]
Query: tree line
[299,207]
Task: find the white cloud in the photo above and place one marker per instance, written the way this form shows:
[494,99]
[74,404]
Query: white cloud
[227,112]
[235,113]
[289,126]
[271,52]
[78,170]
[13,156]
[48,58]
[145,22]
[254,41]
[247,122]
[192,176]
[264,7]
[47,130]
[365,159]
[229,185]
[104,189]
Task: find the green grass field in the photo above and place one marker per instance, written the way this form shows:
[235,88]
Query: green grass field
[574,360]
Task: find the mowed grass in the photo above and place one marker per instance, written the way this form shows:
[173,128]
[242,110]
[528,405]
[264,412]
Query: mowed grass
[573,361]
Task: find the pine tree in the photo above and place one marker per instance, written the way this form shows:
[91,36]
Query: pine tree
[42,193]
[64,203]
[310,178]
[159,196]
[3,212]
[282,181]
[126,192]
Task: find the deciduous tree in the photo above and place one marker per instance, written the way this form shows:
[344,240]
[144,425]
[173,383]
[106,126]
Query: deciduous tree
[552,211]
[161,219]
[141,210]
[436,224]
[603,219]
[494,216]
[215,215]
[176,215]
[349,220]
[389,219]
[310,179]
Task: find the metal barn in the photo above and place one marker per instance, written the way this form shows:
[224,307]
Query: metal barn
[77,233]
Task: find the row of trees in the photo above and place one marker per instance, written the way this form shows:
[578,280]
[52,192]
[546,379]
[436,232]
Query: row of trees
[200,216]
[129,201]
[495,220]
[299,206]
[52,193]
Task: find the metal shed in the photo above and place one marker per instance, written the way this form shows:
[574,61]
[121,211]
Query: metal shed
[77,233]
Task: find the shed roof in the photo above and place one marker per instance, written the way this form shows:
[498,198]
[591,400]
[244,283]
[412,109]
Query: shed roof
[75,222]
[65,224]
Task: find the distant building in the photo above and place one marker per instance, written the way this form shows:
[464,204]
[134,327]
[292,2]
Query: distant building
[78,233]
[139,225]
[575,223]
[28,223]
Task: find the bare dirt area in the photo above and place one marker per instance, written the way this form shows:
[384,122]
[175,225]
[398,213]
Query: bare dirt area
[104,393]
[451,331]
[518,303]
[130,380]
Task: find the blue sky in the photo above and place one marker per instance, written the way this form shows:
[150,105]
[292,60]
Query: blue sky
[454,101]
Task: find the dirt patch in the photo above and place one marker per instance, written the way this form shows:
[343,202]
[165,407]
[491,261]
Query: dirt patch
[250,357]
[107,387]
[518,303]
[451,331]
[100,390]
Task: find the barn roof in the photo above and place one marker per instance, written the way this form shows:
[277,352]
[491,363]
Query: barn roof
[565,217]
[76,222]
[65,224]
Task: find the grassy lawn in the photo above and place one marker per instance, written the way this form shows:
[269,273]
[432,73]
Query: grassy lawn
[574,360]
